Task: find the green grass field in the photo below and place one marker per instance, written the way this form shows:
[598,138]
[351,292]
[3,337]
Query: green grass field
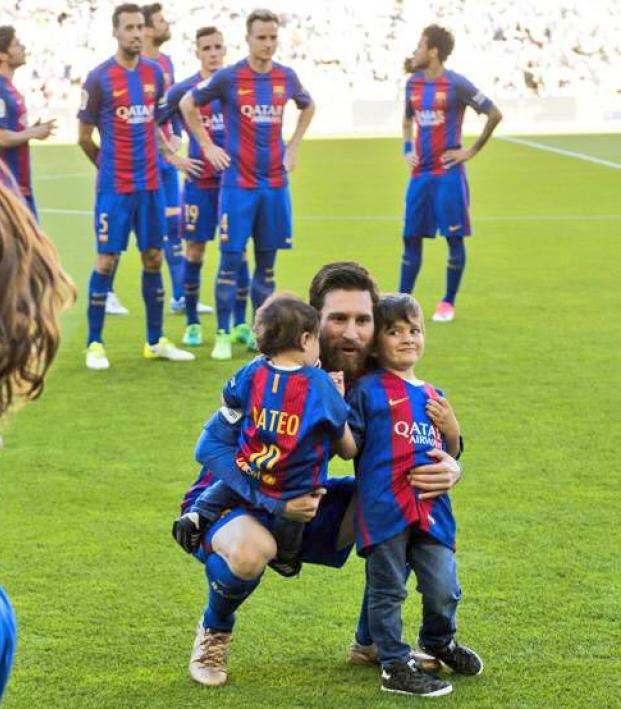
[93,472]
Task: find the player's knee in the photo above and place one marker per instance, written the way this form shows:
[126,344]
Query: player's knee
[249,560]
[194,251]
[152,259]
[106,263]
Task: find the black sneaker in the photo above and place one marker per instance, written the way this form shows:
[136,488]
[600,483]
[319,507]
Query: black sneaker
[458,658]
[406,678]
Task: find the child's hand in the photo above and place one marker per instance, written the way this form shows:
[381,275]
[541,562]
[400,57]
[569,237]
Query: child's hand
[441,414]
[339,381]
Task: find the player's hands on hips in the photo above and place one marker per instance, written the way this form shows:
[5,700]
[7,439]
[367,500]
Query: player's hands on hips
[218,157]
[443,417]
[43,129]
[192,166]
[291,158]
[437,478]
[304,508]
[411,159]
[188,530]
[174,142]
[338,379]
[453,157]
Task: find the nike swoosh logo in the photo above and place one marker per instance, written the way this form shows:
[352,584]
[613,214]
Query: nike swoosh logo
[394,402]
[118,92]
[244,92]
[455,228]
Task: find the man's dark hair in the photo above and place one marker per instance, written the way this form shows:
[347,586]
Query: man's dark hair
[263,16]
[396,307]
[281,321]
[149,10]
[341,275]
[7,33]
[206,31]
[441,39]
[128,7]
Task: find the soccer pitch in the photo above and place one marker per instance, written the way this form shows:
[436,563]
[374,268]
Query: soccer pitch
[92,474]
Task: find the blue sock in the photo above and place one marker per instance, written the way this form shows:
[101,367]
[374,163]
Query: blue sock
[363,632]
[241,294]
[173,249]
[226,285]
[454,267]
[153,295]
[410,263]
[98,288]
[226,593]
[263,282]
[191,289]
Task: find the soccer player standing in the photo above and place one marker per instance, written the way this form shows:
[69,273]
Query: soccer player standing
[15,133]
[119,98]
[254,198]
[437,197]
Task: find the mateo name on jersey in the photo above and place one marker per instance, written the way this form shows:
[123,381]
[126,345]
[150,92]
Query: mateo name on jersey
[136,113]
[262,113]
[427,117]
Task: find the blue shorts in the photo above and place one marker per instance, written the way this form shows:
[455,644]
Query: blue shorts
[116,215]
[169,180]
[437,203]
[263,214]
[319,544]
[8,637]
[200,213]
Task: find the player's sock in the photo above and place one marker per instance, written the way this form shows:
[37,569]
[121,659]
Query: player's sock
[173,249]
[410,263]
[226,285]
[241,294]
[191,289]
[226,593]
[153,295]
[454,267]
[363,632]
[98,288]
[115,268]
[263,282]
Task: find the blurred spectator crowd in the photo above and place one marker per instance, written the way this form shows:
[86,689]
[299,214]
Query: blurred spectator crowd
[509,49]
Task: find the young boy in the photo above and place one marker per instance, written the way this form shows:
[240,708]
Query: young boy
[395,420]
[292,413]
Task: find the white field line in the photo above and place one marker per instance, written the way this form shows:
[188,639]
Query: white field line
[561,151]
[394,218]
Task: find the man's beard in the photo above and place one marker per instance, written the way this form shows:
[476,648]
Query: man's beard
[335,361]
[159,41]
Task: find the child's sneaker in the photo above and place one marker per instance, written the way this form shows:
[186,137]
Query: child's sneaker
[458,658]
[407,678]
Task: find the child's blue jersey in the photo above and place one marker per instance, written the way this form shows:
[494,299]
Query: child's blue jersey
[290,419]
[394,433]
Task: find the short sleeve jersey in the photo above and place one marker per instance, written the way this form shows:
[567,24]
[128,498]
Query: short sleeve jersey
[211,115]
[173,125]
[394,433]
[13,117]
[437,107]
[253,106]
[123,104]
[290,418]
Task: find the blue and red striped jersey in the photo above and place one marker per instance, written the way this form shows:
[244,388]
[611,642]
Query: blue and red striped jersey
[290,418]
[123,104]
[173,125]
[13,117]
[211,115]
[394,433]
[437,107]
[253,105]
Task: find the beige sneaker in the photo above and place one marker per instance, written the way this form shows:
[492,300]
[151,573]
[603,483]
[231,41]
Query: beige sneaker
[209,655]
[359,654]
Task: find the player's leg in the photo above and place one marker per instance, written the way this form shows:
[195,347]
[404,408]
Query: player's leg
[173,248]
[237,217]
[263,281]
[419,222]
[436,575]
[241,330]
[452,205]
[149,225]
[113,218]
[240,550]
[113,304]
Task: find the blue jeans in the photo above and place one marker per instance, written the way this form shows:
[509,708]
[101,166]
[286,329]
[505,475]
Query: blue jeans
[387,570]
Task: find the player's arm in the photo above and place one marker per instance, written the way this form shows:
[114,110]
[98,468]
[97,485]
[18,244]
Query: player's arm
[454,157]
[86,142]
[39,131]
[346,446]
[190,165]
[305,117]
[191,114]
[408,141]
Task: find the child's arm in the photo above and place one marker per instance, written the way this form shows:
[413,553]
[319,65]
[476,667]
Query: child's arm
[346,445]
[443,417]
